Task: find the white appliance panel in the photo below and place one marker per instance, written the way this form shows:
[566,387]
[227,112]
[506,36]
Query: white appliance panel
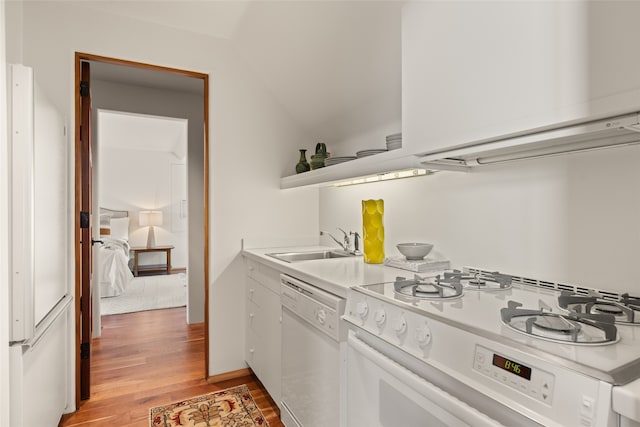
[50,212]
[22,194]
[39,212]
[310,366]
[38,391]
[40,290]
[402,397]
[311,355]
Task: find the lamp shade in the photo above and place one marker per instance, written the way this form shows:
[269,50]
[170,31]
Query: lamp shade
[150,218]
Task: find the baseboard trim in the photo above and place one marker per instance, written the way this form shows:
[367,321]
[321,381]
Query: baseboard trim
[274,405]
[231,375]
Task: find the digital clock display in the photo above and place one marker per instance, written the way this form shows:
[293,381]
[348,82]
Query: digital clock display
[513,367]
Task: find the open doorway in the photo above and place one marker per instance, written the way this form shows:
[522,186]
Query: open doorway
[142,89]
[140,183]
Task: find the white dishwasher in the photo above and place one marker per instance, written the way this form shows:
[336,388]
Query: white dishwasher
[313,355]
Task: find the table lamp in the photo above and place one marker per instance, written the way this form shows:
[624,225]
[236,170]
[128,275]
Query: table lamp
[150,218]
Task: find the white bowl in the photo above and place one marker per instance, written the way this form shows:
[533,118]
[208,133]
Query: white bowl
[414,251]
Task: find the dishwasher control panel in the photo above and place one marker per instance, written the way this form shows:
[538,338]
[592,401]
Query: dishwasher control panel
[317,307]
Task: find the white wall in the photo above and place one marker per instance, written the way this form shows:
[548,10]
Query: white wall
[135,180]
[252,142]
[372,137]
[572,219]
[13,26]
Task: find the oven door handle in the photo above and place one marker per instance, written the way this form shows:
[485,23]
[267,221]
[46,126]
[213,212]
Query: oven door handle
[420,385]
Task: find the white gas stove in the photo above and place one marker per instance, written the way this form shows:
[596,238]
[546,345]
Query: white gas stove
[514,350]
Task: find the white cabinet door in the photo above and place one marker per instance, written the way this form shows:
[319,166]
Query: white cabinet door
[271,348]
[476,70]
[263,338]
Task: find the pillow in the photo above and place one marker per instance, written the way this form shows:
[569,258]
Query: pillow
[120,228]
[105,217]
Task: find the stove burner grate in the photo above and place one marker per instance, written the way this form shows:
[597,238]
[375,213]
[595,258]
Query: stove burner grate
[625,311]
[572,328]
[428,288]
[483,281]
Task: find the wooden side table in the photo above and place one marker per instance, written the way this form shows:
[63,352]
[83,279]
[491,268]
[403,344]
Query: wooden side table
[155,268]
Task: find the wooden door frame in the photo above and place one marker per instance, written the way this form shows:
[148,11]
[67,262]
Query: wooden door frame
[79,57]
[85,194]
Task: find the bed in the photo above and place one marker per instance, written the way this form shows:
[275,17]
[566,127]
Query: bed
[114,274]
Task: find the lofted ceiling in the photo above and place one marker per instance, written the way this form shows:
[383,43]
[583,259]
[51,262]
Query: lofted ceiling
[145,77]
[142,132]
[321,60]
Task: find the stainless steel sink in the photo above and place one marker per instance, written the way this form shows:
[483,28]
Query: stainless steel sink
[308,256]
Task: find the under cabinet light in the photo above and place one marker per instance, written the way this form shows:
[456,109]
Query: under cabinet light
[407,173]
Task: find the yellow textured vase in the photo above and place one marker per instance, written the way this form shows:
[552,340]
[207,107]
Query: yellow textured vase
[373,231]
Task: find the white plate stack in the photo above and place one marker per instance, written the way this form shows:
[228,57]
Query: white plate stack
[370,152]
[329,161]
[394,141]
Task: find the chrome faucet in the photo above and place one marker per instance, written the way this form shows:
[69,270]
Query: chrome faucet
[345,244]
[356,243]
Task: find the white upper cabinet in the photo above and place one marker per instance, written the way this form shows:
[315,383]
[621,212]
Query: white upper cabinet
[479,70]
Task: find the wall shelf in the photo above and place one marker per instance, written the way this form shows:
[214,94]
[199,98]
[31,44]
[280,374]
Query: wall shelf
[389,161]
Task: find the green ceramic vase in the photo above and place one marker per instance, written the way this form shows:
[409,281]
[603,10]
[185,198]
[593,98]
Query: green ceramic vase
[317,160]
[302,165]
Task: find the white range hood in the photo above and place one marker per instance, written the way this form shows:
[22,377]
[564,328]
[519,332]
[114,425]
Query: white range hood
[608,132]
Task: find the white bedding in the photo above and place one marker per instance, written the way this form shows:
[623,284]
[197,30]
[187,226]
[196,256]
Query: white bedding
[114,274]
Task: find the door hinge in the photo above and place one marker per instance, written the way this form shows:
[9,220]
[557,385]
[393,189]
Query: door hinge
[84,219]
[84,88]
[84,350]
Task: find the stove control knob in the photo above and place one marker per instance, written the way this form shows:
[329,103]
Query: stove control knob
[362,309]
[400,326]
[423,336]
[321,316]
[380,317]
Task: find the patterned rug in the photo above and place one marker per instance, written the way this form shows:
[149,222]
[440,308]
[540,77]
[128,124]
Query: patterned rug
[233,407]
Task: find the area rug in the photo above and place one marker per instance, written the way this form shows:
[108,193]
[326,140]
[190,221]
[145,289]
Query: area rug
[148,293]
[233,407]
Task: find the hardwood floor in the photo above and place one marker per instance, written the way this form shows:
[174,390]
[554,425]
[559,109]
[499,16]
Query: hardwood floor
[149,359]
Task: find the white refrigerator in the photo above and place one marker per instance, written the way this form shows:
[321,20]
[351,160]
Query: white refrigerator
[40,288]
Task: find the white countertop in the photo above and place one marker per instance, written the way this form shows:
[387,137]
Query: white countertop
[626,400]
[334,275]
